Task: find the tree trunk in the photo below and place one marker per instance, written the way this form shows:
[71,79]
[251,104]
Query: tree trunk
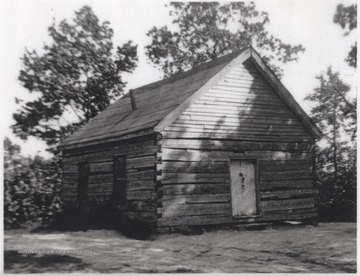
[335,147]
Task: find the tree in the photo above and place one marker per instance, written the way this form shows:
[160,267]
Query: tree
[31,188]
[335,114]
[207,30]
[75,77]
[346,17]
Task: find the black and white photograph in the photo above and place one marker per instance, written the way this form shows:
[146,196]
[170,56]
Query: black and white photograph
[179,137]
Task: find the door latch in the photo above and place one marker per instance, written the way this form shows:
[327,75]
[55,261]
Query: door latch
[242,184]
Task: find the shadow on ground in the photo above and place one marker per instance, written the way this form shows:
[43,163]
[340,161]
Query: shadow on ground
[35,263]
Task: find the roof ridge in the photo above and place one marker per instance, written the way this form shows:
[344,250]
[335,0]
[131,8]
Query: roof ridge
[194,70]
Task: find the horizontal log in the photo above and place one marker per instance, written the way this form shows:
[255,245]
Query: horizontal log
[129,148]
[145,175]
[226,219]
[138,185]
[194,220]
[286,184]
[138,195]
[235,136]
[169,154]
[266,195]
[100,179]
[140,162]
[108,185]
[101,167]
[195,209]
[280,165]
[287,204]
[194,155]
[194,178]
[120,145]
[292,216]
[286,175]
[291,211]
[237,131]
[195,199]
[234,145]
[279,155]
[196,167]
[193,189]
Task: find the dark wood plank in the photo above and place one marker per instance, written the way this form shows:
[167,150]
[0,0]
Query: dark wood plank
[264,137]
[196,167]
[287,204]
[194,220]
[195,199]
[279,155]
[286,175]
[283,194]
[286,184]
[101,167]
[194,178]
[194,189]
[100,179]
[139,185]
[196,209]
[234,145]
[140,162]
[145,175]
[284,165]
[138,195]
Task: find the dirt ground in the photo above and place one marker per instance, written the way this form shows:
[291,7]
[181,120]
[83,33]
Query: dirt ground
[331,247]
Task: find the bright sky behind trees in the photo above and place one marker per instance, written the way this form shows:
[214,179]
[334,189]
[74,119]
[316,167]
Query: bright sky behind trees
[24,23]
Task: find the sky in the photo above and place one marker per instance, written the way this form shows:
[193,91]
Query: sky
[24,23]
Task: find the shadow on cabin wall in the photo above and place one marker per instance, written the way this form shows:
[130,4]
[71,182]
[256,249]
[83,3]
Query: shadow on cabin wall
[256,115]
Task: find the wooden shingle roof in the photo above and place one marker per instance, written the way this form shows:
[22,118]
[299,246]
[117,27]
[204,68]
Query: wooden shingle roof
[159,103]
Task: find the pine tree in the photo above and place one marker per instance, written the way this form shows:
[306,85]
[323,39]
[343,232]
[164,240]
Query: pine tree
[335,114]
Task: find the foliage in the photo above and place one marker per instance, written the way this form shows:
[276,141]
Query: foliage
[207,30]
[335,114]
[346,17]
[75,77]
[31,188]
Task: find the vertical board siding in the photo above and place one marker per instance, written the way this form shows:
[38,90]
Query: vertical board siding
[240,116]
[140,185]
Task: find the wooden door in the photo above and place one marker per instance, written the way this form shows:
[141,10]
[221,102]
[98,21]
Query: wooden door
[243,187]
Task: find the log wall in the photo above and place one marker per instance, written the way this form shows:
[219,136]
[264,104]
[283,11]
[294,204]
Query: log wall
[241,116]
[140,175]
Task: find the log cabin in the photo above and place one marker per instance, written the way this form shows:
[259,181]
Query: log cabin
[224,143]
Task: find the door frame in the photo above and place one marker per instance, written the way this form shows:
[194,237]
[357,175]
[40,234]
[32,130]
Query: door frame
[257,184]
